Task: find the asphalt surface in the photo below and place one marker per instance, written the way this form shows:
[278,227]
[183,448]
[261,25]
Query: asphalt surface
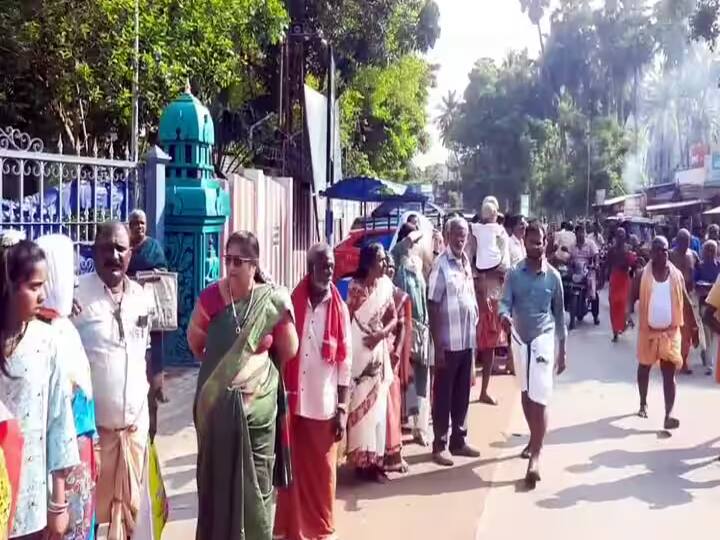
[606,472]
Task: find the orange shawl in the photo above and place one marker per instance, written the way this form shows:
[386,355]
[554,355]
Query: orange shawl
[655,345]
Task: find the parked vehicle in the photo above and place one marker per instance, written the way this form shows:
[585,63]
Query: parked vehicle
[347,252]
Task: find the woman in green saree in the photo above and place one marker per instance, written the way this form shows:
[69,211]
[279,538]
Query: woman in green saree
[242,331]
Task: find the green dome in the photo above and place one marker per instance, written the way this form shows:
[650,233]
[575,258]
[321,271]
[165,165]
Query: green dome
[187,120]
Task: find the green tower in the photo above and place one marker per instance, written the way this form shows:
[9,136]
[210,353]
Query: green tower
[196,209]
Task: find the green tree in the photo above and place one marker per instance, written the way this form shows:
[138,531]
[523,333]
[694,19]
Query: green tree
[492,131]
[448,111]
[67,65]
[535,10]
[383,118]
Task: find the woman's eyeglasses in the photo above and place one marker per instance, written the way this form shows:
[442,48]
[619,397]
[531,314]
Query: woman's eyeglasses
[237,261]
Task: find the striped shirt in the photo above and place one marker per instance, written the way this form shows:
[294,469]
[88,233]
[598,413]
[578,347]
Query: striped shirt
[451,287]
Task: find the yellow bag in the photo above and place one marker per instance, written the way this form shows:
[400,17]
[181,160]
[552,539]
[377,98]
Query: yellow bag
[158,497]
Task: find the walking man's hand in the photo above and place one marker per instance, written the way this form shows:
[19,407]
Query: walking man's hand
[561,367]
[506,323]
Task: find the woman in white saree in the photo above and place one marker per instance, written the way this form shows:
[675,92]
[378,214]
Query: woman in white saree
[372,311]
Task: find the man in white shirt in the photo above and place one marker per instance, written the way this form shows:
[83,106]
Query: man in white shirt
[317,382]
[517,240]
[114,327]
[661,292]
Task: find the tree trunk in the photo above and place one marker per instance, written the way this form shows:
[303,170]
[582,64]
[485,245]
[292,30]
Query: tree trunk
[540,37]
[635,104]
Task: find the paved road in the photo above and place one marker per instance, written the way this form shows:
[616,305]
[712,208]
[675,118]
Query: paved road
[605,471]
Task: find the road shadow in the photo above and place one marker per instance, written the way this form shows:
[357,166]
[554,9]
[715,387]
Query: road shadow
[179,480]
[434,483]
[663,485]
[181,461]
[601,429]
[183,506]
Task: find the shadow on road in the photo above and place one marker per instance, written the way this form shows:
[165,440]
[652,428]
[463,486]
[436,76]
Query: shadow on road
[601,429]
[663,485]
[433,483]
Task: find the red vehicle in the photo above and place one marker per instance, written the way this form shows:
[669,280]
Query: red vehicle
[347,252]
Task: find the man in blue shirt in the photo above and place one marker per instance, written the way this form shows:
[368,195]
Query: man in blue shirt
[532,312]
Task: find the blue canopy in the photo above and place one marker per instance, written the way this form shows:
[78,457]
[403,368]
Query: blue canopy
[394,208]
[365,189]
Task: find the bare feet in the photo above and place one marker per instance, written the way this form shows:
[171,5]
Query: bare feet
[671,423]
[419,439]
[525,454]
[643,413]
[487,400]
[532,477]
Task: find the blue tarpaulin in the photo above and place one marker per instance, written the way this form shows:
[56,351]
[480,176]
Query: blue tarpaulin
[366,189]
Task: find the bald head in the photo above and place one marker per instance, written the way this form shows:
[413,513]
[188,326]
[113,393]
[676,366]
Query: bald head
[683,239]
[109,229]
[659,252]
[660,242]
[321,265]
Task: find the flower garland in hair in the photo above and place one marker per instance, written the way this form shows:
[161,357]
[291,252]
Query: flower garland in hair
[11,237]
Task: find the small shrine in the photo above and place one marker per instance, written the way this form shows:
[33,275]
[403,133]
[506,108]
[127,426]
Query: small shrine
[196,209]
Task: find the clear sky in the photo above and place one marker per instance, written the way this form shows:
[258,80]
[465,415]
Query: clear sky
[472,29]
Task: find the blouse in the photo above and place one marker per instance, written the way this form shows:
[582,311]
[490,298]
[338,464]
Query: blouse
[39,397]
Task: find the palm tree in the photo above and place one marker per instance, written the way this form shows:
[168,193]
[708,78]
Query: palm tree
[680,108]
[536,11]
[449,110]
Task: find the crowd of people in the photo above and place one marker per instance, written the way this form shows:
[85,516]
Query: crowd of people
[292,384]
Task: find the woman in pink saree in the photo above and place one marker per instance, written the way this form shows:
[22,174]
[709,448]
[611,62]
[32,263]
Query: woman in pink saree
[373,318]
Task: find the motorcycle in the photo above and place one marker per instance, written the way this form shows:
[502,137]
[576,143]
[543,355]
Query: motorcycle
[576,286]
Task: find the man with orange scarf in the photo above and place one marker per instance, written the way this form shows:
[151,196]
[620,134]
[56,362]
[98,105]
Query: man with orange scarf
[317,382]
[661,291]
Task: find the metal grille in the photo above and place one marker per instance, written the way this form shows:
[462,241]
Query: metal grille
[45,193]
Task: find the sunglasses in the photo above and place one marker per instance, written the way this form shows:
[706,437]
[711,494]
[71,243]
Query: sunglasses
[237,261]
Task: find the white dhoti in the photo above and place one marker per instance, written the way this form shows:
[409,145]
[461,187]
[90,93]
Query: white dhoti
[535,366]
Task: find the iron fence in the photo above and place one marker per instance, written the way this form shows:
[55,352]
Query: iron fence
[44,193]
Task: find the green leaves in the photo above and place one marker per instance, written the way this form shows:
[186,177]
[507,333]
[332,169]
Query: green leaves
[383,116]
[68,65]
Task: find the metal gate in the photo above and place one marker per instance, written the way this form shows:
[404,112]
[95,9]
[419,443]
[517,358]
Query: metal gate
[45,193]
